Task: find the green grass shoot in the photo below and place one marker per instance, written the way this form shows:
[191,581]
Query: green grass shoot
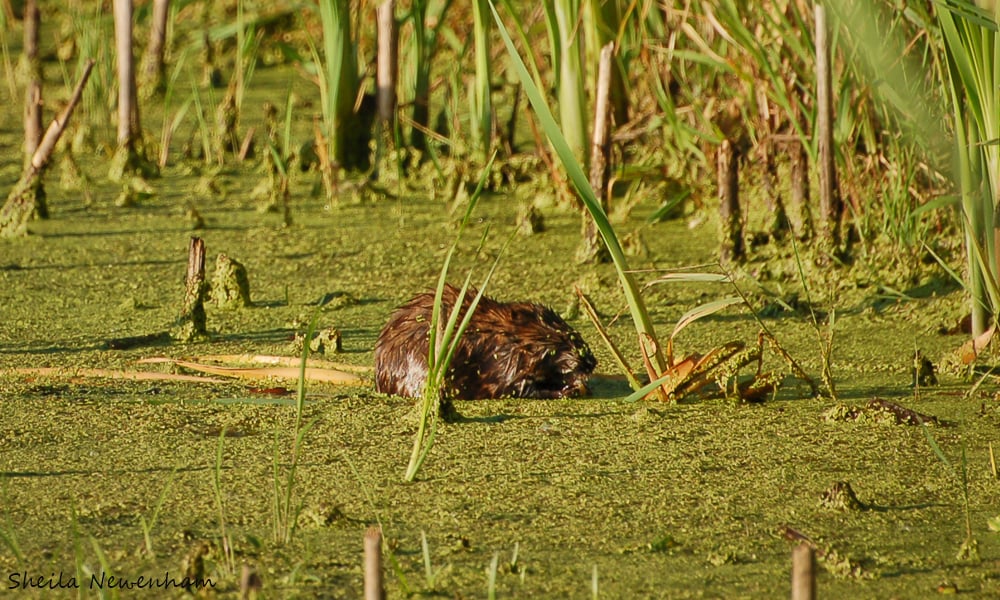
[225,543]
[285,510]
[444,337]
[969,549]
[637,308]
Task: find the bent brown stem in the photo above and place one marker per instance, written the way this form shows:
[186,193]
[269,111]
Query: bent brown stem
[20,203]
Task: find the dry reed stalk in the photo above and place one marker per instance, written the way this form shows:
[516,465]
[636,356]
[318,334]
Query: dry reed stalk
[33,99]
[593,249]
[152,60]
[386,70]
[374,587]
[33,93]
[128,108]
[804,572]
[830,204]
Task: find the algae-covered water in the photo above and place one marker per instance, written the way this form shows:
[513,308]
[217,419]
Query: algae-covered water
[646,500]
[163,479]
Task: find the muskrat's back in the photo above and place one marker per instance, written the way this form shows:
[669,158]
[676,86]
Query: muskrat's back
[510,349]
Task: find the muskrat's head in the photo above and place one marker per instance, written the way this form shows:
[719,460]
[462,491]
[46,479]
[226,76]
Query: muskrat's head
[567,362]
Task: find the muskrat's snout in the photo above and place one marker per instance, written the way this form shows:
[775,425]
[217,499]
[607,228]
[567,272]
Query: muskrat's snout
[577,386]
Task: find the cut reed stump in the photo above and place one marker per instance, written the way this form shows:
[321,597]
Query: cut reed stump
[593,249]
[728,163]
[374,587]
[250,583]
[20,203]
[804,572]
[191,324]
[830,204]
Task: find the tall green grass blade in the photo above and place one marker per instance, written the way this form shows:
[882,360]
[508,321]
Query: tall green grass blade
[522,36]
[224,542]
[74,529]
[285,516]
[944,265]
[340,76]
[425,551]
[147,527]
[203,128]
[571,81]
[7,535]
[970,83]
[648,389]
[482,113]
[102,559]
[637,309]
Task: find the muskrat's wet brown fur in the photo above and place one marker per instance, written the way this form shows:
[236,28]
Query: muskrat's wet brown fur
[509,350]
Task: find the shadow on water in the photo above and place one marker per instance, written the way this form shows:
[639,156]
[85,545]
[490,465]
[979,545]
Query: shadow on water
[128,472]
[55,347]
[93,265]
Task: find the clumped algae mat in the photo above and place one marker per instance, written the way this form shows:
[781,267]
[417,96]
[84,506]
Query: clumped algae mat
[672,501]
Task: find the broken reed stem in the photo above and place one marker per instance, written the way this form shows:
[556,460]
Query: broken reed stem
[386,69]
[44,150]
[21,202]
[196,261]
[326,167]
[374,587]
[804,572]
[247,145]
[829,195]
[56,128]
[192,322]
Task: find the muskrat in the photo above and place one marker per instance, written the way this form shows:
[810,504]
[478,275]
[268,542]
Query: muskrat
[509,350]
